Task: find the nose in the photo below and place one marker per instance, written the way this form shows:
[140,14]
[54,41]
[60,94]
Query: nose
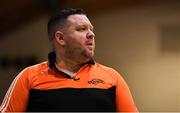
[90,35]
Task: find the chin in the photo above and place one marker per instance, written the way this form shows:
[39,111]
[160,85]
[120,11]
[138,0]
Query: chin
[88,54]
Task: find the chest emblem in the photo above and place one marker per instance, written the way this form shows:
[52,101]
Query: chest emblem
[96,81]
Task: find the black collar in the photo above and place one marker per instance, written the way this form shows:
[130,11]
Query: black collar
[52,60]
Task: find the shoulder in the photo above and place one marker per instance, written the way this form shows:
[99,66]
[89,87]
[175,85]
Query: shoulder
[38,67]
[112,73]
[107,69]
[31,71]
[26,77]
[120,81]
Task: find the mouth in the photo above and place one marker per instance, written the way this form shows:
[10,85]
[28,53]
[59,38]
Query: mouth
[90,45]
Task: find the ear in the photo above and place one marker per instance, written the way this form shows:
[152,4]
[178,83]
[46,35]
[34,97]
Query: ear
[59,36]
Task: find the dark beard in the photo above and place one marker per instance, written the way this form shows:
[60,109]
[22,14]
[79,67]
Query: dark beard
[82,57]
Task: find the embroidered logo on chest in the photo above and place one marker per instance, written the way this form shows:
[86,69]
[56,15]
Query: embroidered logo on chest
[96,81]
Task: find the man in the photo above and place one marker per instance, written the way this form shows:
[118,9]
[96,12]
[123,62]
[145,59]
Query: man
[70,80]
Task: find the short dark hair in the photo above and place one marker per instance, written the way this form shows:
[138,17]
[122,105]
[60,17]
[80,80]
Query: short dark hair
[59,19]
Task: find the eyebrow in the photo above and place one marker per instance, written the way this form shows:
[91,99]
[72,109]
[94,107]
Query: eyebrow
[85,25]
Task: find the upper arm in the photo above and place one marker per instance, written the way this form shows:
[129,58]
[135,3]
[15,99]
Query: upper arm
[16,97]
[124,100]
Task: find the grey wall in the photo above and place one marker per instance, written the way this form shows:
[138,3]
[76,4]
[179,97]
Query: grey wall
[143,44]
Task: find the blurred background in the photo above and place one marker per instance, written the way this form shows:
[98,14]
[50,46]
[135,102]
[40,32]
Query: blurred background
[139,38]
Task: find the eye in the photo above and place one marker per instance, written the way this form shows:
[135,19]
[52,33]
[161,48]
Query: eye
[81,29]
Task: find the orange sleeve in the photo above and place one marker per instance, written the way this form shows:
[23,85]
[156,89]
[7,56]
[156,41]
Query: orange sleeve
[124,100]
[16,97]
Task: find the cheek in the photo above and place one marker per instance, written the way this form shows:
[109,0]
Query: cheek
[76,44]
[76,39]
[80,40]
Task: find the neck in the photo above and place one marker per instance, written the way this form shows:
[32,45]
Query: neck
[67,65]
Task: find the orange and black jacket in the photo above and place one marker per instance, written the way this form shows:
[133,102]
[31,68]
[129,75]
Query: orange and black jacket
[43,87]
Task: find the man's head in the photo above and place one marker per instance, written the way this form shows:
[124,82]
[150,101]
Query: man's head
[59,20]
[72,36]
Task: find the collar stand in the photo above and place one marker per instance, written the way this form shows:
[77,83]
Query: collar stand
[52,60]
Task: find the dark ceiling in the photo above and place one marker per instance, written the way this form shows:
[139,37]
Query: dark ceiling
[14,13]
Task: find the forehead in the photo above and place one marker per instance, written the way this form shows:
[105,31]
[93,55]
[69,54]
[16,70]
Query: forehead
[79,19]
